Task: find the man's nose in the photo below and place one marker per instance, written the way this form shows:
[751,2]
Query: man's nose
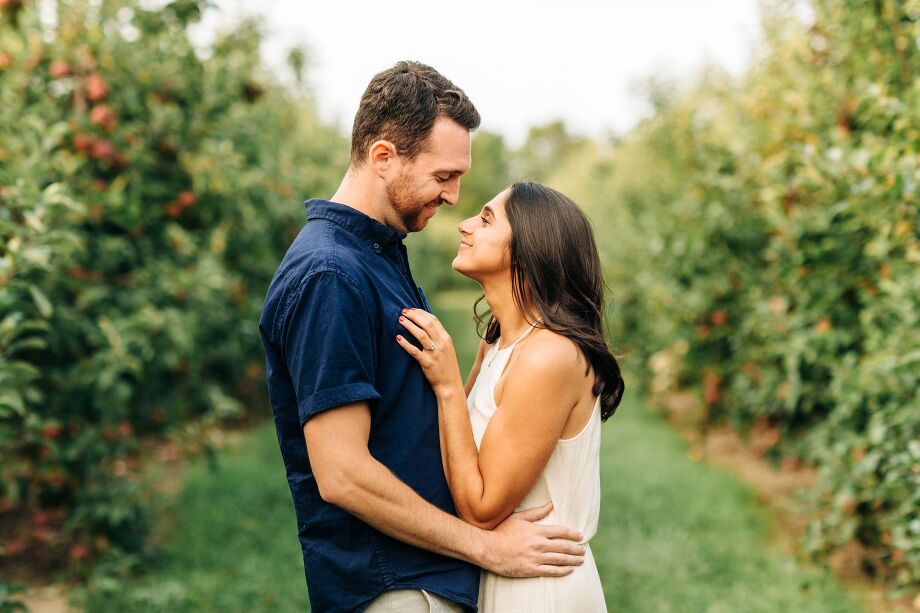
[451,192]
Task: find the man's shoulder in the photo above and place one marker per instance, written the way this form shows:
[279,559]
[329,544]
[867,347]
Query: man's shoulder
[311,280]
[317,253]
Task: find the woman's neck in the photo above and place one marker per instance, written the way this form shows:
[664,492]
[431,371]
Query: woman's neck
[501,302]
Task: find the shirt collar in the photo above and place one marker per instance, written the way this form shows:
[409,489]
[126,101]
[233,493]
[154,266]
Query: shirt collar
[374,233]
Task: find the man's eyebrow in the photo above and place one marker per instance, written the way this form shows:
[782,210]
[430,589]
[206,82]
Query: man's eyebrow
[448,171]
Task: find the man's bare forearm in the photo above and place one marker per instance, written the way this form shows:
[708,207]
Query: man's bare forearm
[379,498]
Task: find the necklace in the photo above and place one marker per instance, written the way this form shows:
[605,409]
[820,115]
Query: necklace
[514,342]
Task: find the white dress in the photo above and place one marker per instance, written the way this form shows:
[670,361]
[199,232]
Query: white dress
[571,480]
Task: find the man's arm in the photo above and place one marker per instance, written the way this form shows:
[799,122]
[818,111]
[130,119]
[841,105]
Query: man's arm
[349,477]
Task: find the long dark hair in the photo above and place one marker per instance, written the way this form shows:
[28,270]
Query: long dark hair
[555,266]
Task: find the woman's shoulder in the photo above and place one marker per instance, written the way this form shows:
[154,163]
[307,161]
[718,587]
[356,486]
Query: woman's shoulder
[548,349]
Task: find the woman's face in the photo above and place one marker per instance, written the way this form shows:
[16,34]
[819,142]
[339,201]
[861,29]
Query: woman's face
[485,244]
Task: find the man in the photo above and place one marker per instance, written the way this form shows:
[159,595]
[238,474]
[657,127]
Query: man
[375,517]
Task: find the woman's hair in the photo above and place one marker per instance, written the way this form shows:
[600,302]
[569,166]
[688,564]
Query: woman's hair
[555,266]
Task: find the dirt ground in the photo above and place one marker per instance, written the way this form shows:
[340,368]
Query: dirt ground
[776,488]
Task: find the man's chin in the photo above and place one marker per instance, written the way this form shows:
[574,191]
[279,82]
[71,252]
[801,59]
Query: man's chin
[417,225]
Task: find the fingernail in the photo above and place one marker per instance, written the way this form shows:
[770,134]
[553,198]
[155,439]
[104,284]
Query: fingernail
[405,310]
[401,318]
[399,337]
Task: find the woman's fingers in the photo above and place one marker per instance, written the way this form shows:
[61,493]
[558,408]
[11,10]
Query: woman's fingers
[414,351]
[416,331]
[424,320]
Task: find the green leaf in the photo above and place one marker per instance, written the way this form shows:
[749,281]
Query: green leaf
[41,301]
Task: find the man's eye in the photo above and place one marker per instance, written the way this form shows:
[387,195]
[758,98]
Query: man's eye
[443,179]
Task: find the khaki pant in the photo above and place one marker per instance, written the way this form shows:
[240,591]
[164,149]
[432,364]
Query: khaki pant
[412,601]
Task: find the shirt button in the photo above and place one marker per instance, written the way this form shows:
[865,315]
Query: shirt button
[377,246]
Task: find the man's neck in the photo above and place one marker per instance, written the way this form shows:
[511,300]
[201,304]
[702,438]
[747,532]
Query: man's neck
[357,191]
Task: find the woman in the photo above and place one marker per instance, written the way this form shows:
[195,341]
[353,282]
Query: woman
[525,429]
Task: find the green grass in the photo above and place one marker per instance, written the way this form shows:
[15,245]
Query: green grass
[674,535]
[230,541]
[679,536]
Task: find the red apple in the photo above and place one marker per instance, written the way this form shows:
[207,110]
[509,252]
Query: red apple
[186,198]
[51,431]
[83,142]
[96,88]
[103,150]
[60,69]
[79,551]
[103,115]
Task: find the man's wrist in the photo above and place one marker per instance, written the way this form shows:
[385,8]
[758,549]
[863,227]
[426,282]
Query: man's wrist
[483,548]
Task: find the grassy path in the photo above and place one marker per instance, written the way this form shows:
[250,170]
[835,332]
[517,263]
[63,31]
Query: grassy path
[674,535]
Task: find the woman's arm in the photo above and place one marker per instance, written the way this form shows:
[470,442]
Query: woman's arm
[538,395]
[470,381]
[477,364]
[487,485]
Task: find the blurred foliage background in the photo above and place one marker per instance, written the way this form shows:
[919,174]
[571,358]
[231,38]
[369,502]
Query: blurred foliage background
[760,237]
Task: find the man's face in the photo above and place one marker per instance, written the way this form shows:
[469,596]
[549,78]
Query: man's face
[433,177]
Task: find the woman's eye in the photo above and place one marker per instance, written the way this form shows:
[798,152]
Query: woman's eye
[484,220]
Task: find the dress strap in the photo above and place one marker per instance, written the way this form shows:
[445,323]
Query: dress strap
[496,350]
[521,337]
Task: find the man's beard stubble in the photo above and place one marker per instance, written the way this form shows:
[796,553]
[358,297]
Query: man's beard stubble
[407,204]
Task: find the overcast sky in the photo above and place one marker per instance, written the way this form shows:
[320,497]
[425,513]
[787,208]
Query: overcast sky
[522,63]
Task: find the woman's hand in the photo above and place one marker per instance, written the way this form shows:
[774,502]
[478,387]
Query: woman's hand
[438,359]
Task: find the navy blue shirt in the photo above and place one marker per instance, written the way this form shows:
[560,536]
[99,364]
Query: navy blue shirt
[328,326]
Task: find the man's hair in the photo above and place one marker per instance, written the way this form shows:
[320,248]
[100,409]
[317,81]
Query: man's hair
[401,104]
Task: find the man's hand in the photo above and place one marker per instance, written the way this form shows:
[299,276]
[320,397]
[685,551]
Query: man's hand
[519,547]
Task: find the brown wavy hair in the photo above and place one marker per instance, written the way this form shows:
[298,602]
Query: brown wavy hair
[555,267]
[401,105]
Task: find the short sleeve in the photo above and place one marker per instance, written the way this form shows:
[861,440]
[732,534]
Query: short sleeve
[329,345]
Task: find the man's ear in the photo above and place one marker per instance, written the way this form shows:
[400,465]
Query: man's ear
[382,156]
